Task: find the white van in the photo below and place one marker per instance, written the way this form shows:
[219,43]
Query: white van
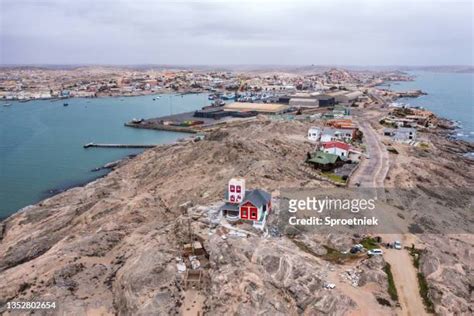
[375,252]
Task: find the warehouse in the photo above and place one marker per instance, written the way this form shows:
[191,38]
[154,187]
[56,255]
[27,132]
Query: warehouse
[325,100]
[304,102]
[267,108]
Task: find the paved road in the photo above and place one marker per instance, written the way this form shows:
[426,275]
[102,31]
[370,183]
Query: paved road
[371,174]
[372,171]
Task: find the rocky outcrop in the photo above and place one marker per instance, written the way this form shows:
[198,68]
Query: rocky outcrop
[110,247]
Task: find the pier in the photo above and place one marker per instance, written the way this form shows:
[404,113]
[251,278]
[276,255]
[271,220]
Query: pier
[92,145]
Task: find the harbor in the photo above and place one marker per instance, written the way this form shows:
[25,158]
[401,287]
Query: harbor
[55,135]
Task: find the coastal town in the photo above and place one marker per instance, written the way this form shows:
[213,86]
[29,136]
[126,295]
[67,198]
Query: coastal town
[25,83]
[203,214]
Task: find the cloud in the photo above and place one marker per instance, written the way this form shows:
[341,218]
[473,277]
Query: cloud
[237,32]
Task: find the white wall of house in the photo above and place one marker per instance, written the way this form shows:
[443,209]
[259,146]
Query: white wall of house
[314,134]
[326,137]
[336,151]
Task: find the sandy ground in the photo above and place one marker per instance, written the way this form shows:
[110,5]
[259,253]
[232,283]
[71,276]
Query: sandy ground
[367,305]
[192,303]
[406,281]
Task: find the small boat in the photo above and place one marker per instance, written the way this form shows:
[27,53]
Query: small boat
[65,104]
[228,96]
[137,121]
[7,104]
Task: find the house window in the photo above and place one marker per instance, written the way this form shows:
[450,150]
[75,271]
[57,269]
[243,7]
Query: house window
[244,212]
[238,189]
[253,213]
[232,188]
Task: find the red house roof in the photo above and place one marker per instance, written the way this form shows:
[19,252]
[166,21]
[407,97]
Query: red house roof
[339,145]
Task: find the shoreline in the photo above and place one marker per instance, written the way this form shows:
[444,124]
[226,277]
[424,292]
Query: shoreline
[134,211]
[440,132]
[56,99]
[108,168]
[455,124]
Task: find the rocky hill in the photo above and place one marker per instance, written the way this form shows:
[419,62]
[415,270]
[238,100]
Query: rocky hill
[110,247]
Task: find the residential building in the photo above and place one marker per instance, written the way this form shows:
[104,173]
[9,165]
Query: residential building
[324,161]
[336,148]
[249,205]
[314,134]
[401,134]
[333,134]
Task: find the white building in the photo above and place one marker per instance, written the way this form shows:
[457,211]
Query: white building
[333,134]
[336,148]
[314,133]
[401,134]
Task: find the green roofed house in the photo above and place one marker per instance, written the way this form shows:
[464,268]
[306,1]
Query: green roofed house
[324,161]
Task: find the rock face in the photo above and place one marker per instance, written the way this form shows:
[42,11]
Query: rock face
[251,275]
[110,247]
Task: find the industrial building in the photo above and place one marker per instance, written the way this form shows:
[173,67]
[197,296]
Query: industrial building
[267,108]
[304,102]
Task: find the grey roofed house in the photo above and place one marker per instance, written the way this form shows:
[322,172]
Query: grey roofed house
[257,197]
[229,207]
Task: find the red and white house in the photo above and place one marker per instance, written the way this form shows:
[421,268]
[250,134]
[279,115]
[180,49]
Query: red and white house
[336,148]
[241,204]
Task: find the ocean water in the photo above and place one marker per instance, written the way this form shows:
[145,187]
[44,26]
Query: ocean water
[41,141]
[450,95]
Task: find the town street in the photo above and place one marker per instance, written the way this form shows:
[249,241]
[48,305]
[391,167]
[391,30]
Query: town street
[373,169]
[371,174]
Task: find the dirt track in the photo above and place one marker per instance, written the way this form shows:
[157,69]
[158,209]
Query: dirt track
[406,280]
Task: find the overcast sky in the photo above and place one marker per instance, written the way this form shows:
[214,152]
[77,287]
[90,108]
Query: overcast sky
[330,32]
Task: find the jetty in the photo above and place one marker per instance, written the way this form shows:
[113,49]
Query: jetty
[92,145]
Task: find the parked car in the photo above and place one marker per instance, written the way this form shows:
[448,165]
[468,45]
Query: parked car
[397,245]
[329,286]
[375,252]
